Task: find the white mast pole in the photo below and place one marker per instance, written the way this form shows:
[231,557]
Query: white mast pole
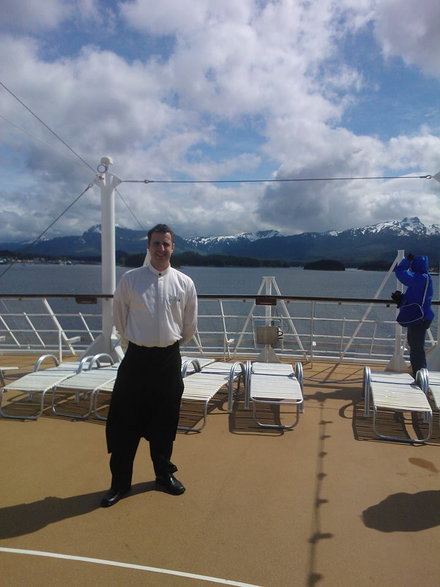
[107,182]
[108,249]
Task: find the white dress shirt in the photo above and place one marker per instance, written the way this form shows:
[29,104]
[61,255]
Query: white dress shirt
[155,308]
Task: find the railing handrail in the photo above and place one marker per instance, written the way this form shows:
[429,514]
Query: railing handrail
[84,298]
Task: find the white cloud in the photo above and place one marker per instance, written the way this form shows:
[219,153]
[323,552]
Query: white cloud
[170,17]
[217,70]
[30,16]
[342,204]
[410,29]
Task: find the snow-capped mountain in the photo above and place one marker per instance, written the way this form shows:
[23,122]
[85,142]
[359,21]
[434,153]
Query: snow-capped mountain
[406,227]
[353,246]
[212,244]
[356,245]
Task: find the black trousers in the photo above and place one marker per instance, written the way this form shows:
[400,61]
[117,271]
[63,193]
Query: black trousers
[145,404]
[416,341]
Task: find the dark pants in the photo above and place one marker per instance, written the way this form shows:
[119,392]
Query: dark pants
[145,404]
[416,341]
[122,459]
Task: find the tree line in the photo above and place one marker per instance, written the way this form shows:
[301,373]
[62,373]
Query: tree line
[193,259]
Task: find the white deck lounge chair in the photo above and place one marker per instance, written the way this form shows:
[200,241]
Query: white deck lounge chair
[395,392]
[274,384]
[202,385]
[82,385]
[39,383]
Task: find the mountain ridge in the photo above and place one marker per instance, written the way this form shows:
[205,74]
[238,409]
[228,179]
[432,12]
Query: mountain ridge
[351,246]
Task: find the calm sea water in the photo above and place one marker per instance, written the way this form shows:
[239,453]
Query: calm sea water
[86,279]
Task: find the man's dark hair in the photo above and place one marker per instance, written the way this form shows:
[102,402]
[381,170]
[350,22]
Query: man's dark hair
[160,228]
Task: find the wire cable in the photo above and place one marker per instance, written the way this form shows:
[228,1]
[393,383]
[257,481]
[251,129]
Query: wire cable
[292,179]
[68,147]
[46,126]
[35,138]
[40,236]
[130,210]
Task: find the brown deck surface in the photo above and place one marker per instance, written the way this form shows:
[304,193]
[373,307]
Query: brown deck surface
[323,504]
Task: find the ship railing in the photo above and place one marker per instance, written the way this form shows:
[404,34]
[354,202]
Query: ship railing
[52,323]
[229,327]
[310,328]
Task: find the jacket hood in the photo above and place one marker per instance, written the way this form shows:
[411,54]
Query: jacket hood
[420,264]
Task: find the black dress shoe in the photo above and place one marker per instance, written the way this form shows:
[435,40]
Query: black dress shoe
[113,496]
[170,484]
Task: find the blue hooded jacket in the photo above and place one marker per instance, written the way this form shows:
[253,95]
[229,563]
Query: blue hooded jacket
[414,274]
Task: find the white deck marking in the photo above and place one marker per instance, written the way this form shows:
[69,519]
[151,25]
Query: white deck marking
[98,561]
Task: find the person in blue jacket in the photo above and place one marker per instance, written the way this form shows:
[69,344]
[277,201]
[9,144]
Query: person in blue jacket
[414,273]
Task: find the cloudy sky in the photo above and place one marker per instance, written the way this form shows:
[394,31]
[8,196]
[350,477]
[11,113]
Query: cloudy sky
[219,90]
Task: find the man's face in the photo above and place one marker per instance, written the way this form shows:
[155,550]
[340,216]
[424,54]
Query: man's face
[161,247]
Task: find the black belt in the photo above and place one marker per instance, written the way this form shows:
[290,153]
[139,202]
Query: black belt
[141,346]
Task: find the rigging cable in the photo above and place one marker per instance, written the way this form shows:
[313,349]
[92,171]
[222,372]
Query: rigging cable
[130,210]
[35,138]
[293,179]
[46,126]
[26,249]
[70,149]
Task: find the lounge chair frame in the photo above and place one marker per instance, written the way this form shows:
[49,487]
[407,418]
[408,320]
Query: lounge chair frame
[41,382]
[274,384]
[430,383]
[203,384]
[398,393]
[101,370]
[106,388]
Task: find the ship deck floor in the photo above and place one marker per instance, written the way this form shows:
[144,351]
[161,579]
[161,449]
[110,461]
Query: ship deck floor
[325,503]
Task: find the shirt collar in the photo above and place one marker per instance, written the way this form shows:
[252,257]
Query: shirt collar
[158,273]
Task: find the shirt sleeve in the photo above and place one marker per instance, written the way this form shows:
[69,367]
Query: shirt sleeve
[189,314]
[403,274]
[120,309]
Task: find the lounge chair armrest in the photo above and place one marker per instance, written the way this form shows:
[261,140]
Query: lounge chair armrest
[41,359]
[366,389]
[105,357]
[84,361]
[422,380]
[239,369]
[299,374]
[194,362]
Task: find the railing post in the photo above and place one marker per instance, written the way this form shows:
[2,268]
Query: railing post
[397,362]
[312,329]
[61,334]
[60,346]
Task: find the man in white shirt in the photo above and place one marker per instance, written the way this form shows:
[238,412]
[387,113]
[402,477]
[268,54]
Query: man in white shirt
[154,311]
